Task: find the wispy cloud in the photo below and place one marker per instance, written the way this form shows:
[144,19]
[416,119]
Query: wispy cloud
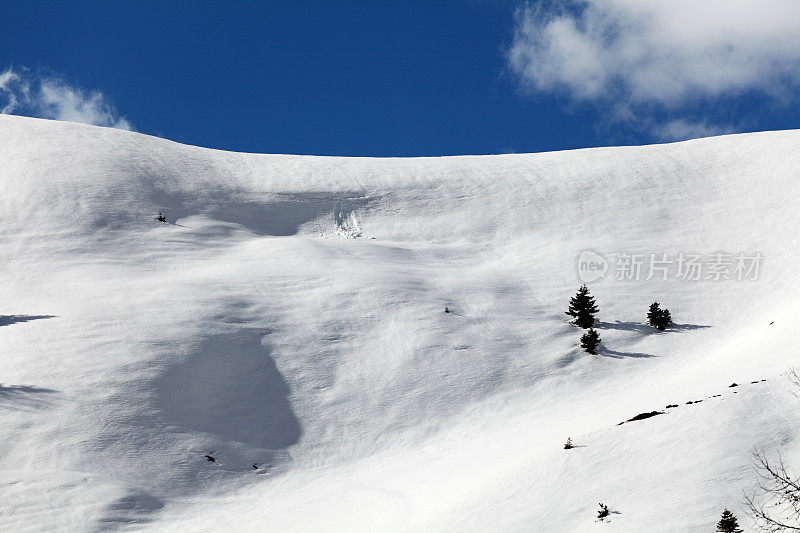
[680,130]
[25,93]
[663,56]
[12,89]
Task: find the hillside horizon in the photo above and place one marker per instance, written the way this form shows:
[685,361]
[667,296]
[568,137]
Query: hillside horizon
[288,321]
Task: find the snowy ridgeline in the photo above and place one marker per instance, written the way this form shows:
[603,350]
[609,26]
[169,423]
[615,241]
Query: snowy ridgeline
[287,322]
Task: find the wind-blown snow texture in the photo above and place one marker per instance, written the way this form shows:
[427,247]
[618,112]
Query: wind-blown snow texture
[291,315]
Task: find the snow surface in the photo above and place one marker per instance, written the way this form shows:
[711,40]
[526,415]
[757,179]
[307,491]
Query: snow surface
[291,315]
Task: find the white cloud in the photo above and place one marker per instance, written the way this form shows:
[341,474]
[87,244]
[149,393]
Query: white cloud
[680,130]
[12,88]
[63,102]
[47,97]
[657,53]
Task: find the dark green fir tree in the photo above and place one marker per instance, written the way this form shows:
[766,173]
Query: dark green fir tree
[582,308]
[657,317]
[654,314]
[590,341]
[728,523]
[666,320]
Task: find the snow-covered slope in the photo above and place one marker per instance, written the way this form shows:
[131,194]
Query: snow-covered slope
[291,315]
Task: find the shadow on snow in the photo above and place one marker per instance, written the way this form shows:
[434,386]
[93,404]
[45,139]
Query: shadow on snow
[7,320]
[231,389]
[231,401]
[23,397]
[644,328]
[619,355]
[135,508]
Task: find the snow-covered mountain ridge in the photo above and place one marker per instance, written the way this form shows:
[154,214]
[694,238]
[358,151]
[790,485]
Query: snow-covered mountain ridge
[291,315]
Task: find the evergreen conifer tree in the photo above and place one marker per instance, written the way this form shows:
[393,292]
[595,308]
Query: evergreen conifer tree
[657,317]
[568,445]
[582,308]
[666,320]
[590,340]
[728,523]
[653,314]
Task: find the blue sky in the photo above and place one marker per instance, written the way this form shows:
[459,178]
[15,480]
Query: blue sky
[406,78]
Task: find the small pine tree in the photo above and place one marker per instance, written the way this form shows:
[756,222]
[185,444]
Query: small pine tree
[590,340]
[582,308]
[657,317]
[728,523]
[666,319]
[568,445]
[654,314]
[603,511]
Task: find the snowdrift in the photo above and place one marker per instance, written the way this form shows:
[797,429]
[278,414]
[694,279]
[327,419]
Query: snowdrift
[288,322]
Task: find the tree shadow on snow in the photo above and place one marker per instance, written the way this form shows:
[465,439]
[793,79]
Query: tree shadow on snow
[619,355]
[7,320]
[685,327]
[644,328]
[24,397]
[625,326]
